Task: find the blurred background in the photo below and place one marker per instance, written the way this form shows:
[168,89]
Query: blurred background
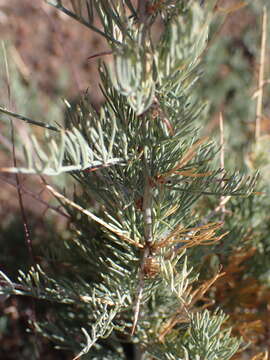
[48,60]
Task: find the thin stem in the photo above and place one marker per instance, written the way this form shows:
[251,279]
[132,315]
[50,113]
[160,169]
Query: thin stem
[24,218]
[28,120]
[102,53]
[58,30]
[27,237]
[36,197]
[261,76]
[82,21]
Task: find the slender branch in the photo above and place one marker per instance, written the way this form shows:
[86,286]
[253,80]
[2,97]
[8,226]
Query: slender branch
[102,53]
[57,28]
[24,218]
[36,197]
[28,120]
[74,16]
[27,236]
[259,107]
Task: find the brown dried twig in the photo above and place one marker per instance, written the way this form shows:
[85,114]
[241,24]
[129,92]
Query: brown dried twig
[35,196]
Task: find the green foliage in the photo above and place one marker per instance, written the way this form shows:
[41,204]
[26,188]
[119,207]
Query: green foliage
[139,232]
[203,340]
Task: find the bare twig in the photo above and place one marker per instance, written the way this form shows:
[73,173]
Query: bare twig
[35,196]
[63,44]
[27,236]
[60,7]
[102,53]
[28,120]
[28,240]
[24,218]
[259,108]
